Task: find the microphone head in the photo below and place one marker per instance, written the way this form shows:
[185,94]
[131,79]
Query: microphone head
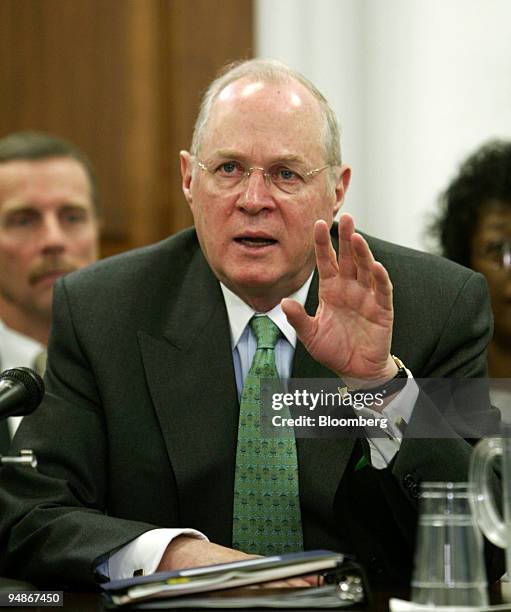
[32,383]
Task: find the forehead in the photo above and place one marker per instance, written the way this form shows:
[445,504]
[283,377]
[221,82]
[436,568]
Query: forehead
[495,217]
[46,180]
[265,119]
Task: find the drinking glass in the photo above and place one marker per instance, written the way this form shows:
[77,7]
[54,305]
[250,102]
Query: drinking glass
[449,561]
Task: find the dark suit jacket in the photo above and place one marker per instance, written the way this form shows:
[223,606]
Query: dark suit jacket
[140,416]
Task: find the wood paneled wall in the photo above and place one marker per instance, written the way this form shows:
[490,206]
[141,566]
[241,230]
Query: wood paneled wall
[122,79]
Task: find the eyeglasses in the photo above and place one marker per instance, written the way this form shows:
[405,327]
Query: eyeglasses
[497,254]
[231,174]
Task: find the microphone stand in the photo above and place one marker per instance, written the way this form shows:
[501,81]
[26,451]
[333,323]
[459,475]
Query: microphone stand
[27,459]
[21,385]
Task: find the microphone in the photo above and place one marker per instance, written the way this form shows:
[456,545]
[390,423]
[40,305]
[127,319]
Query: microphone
[21,392]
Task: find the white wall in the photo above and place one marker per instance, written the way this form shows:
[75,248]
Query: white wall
[417,85]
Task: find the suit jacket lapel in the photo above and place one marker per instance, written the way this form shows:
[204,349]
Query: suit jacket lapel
[191,379]
[321,461]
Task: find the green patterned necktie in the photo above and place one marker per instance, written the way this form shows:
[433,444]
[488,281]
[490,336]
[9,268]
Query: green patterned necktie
[267,519]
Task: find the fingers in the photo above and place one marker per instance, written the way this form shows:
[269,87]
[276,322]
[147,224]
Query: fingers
[371,274]
[314,580]
[356,261]
[364,261]
[355,257]
[288,583]
[347,264]
[298,318]
[311,580]
[326,257]
[382,286]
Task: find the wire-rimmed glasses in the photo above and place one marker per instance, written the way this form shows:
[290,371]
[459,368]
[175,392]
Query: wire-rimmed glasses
[288,178]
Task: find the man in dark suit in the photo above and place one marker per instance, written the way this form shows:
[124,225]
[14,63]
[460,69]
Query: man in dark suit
[49,226]
[149,354]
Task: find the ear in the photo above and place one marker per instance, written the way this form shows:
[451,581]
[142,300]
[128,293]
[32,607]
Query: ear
[341,186]
[185,160]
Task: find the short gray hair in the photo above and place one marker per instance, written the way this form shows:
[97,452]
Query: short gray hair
[269,71]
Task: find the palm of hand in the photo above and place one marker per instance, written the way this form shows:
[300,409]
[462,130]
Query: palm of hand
[351,331]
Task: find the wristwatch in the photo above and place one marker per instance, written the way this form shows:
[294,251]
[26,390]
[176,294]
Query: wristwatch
[394,385]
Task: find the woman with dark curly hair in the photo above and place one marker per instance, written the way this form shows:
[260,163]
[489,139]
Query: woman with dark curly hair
[474,229]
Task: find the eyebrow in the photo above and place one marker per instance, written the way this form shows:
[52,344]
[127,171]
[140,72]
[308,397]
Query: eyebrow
[233,154]
[498,225]
[28,207]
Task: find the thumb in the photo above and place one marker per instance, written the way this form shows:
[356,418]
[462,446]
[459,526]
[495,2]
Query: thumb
[298,318]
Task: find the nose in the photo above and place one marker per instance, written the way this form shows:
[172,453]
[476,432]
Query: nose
[53,238]
[256,194]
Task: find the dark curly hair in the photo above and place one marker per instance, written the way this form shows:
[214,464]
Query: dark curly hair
[483,178]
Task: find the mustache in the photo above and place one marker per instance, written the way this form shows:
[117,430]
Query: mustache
[60,265]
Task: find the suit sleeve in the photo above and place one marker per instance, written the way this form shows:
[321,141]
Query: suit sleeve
[53,519]
[458,359]
[457,364]
[466,332]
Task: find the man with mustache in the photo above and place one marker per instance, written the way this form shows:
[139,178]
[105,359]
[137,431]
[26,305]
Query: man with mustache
[48,227]
[154,457]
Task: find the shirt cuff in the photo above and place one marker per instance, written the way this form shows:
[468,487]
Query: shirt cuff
[397,415]
[143,554]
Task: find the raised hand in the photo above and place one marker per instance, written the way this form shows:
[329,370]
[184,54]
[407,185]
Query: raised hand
[351,331]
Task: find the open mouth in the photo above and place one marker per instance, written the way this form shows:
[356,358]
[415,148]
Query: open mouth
[255,241]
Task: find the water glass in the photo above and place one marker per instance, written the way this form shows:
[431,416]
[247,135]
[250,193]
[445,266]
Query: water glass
[449,560]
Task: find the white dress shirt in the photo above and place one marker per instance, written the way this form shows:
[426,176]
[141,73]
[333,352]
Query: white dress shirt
[17,350]
[146,551]
[244,345]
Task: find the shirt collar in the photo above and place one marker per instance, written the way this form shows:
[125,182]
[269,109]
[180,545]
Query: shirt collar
[17,349]
[239,313]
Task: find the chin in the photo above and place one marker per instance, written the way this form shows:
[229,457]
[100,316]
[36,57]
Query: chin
[266,277]
[44,304]
[252,274]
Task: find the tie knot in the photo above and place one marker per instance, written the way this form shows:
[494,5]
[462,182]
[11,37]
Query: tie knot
[265,331]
